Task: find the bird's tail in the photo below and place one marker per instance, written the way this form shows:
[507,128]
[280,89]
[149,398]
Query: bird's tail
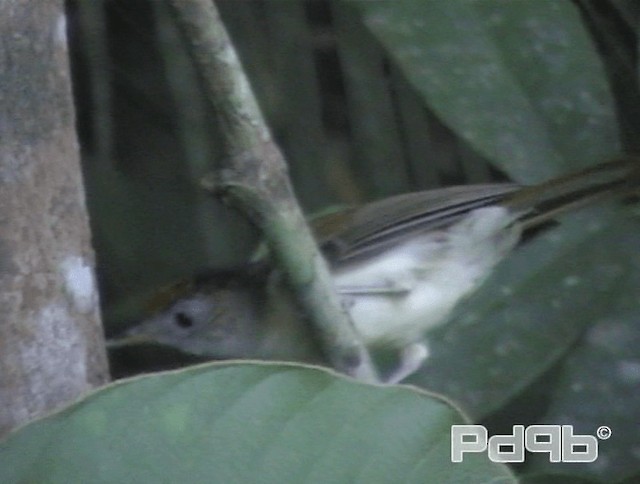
[619,178]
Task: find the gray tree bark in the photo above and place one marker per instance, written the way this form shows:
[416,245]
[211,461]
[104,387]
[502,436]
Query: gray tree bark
[51,342]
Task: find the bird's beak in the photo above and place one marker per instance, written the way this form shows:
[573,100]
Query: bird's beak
[130,337]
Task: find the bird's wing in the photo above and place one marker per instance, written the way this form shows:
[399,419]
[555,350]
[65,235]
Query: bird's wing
[380,225]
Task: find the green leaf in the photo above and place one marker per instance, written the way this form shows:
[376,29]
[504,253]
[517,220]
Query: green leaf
[598,385]
[554,479]
[533,310]
[243,422]
[521,82]
[630,479]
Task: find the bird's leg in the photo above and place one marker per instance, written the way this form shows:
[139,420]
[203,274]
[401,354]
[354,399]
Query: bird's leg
[411,358]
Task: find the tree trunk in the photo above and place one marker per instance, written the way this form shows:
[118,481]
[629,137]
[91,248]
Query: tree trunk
[51,343]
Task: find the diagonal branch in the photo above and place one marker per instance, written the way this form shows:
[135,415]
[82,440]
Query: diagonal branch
[254,177]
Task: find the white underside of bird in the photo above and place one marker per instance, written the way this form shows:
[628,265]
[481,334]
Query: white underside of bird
[419,282]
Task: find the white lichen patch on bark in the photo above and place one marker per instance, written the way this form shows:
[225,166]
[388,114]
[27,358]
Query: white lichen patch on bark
[79,283]
[60,30]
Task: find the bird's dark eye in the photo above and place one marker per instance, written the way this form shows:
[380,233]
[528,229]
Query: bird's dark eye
[182,320]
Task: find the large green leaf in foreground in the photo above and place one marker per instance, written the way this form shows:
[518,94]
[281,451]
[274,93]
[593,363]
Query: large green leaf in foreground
[242,422]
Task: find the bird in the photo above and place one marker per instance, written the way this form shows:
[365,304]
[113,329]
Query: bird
[400,266]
